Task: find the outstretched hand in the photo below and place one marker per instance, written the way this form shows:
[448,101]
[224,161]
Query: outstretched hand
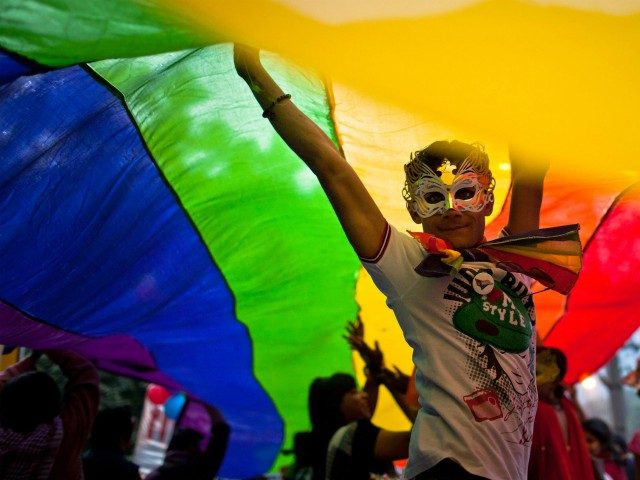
[527,179]
[524,165]
[355,334]
[372,357]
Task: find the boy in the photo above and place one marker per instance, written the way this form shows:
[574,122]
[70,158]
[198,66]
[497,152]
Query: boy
[472,332]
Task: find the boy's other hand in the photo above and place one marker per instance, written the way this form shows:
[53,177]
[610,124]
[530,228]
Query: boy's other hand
[524,166]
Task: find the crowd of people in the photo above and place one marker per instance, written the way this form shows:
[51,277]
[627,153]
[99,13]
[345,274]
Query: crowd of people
[49,433]
[565,445]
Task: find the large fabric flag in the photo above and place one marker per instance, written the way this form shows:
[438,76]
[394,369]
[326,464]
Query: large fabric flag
[152,220]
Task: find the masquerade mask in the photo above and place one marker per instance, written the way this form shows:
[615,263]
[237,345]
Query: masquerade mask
[461,188]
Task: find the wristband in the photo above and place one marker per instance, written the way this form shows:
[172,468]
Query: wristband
[268,112]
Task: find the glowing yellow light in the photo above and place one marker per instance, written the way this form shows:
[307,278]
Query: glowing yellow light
[589,383]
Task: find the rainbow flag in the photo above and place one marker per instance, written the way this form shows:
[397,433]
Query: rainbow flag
[151,219]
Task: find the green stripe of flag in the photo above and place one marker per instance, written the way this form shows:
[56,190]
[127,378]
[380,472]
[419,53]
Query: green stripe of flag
[65,32]
[261,212]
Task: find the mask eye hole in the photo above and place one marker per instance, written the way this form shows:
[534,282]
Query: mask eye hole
[465,193]
[434,197]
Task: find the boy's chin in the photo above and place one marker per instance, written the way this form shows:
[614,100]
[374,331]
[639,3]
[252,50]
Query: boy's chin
[462,241]
[463,245]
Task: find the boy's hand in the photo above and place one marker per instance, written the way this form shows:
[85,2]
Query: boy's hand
[523,166]
[245,59]
[527,179]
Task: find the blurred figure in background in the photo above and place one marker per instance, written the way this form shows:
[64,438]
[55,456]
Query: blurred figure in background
[346,445]
[43,433]
[186,460]
[343,443]
[110,440]
[558,450]
[608,457]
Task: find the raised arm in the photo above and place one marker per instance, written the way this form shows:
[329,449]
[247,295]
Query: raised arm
[81,396]
[360,217]
[372,357]
[527,181]
[79,408]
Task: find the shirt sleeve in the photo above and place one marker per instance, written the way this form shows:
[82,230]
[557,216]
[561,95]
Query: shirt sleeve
[392,270]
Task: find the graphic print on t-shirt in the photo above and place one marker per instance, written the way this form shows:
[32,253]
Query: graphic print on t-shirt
[493,311]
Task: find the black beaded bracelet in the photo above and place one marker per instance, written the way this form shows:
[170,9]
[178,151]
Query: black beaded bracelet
[268,112]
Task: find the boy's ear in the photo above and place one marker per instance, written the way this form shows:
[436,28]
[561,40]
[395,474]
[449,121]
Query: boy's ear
[488,210]
[414,216]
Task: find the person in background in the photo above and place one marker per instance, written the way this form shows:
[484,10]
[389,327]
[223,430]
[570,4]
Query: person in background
[345,443]
[43,432]
[632,379]
[110,440]
[634,448]
[603,450]
[185,459]
[558,450]
[359,449]
[625,456]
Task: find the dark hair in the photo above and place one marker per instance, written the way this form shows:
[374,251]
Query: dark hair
[185,439]
[325,396]
[29,400]
[599,429]
[436,154]
[111,427]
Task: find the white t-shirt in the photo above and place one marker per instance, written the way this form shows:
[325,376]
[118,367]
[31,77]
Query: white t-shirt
[473,340]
